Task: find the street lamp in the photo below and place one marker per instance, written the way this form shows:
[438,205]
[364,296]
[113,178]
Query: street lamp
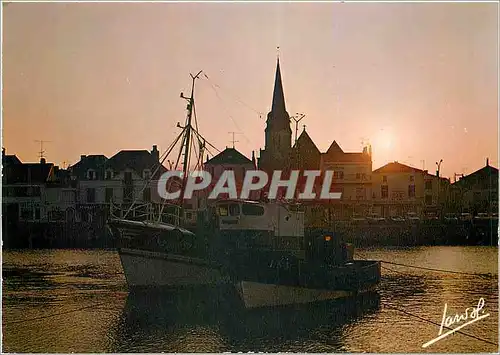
[439,167]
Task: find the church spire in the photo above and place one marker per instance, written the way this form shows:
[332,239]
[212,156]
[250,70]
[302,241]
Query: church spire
[278,96]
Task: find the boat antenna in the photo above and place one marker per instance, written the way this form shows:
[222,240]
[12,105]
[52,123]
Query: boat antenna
[188,128]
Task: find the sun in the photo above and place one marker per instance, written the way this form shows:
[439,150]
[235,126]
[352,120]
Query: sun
[383,144]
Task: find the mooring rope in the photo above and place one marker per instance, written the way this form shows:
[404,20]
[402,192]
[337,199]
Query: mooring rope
[484,275]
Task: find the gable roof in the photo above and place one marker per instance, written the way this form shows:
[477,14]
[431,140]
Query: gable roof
[137,160]
[334,148]
[336,154]
[94,162]
[10,160]
[305,142]
[229,156]
[481,175]
[396,167]
[28,173]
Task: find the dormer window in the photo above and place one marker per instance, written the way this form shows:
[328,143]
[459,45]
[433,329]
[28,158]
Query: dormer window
[91,174]
[109,174]
[146,174]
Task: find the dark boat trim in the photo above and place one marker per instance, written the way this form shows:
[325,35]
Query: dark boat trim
[163,256]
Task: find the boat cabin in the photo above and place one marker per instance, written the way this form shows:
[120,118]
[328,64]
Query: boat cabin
[269,224]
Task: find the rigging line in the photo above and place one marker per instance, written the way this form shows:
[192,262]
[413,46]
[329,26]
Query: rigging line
[206,142]
[194,151]
[153,174]
[432,322]
[194,114]
[236,98]
[227,112]
[55,314]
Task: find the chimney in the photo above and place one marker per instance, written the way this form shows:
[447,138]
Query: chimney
[370,150]
[42,160]
[3,152]
[155,153]
[487,162]
[253,158]
[82,157]
[207,159]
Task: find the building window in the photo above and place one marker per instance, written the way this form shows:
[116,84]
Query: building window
[384,178]
[109,194]
[234,209]
[428,185]
[91,175]
[127,176]
[338,174]
[412,178]
[146,195]
[428,199]
[146,174]
[411,191]
[384,191]
[91,195]
[109,175]
[252,210]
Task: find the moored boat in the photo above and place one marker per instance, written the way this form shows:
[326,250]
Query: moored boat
[261,248]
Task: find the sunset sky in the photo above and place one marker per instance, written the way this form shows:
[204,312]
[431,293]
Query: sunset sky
[418,81]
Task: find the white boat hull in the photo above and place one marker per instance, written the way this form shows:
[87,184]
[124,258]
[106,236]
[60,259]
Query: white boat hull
[255,294]
[151,269]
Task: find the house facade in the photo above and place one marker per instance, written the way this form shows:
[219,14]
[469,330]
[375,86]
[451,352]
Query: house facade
[476,192]
[399,189]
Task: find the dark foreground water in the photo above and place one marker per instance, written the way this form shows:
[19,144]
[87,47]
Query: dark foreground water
[77,301]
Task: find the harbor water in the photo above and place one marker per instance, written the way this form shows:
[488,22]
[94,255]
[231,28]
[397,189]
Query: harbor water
[77,301]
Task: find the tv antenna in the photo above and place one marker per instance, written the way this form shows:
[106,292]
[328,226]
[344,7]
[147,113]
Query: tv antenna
[41,153]
[233,140]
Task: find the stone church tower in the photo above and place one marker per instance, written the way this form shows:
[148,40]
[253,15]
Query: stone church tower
[278,134]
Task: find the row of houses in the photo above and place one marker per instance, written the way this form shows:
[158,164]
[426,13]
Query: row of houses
[44,192]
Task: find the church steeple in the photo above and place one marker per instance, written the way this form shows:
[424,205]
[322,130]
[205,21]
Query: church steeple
[278,132]
[278,105]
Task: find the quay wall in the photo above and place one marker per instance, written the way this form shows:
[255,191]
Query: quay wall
[364,234]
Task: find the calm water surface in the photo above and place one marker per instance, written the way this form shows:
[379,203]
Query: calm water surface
[77,301]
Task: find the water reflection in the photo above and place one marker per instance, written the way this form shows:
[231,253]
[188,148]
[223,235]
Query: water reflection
[101,316]
[214,320]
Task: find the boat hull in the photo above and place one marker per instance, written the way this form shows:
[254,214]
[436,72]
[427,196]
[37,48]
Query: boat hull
[259,294]
[145,268]
[157,258]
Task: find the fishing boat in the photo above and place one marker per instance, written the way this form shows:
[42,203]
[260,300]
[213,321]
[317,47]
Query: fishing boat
[260,248]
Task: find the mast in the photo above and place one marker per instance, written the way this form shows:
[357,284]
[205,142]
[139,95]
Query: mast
[187,137]
[188,124]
